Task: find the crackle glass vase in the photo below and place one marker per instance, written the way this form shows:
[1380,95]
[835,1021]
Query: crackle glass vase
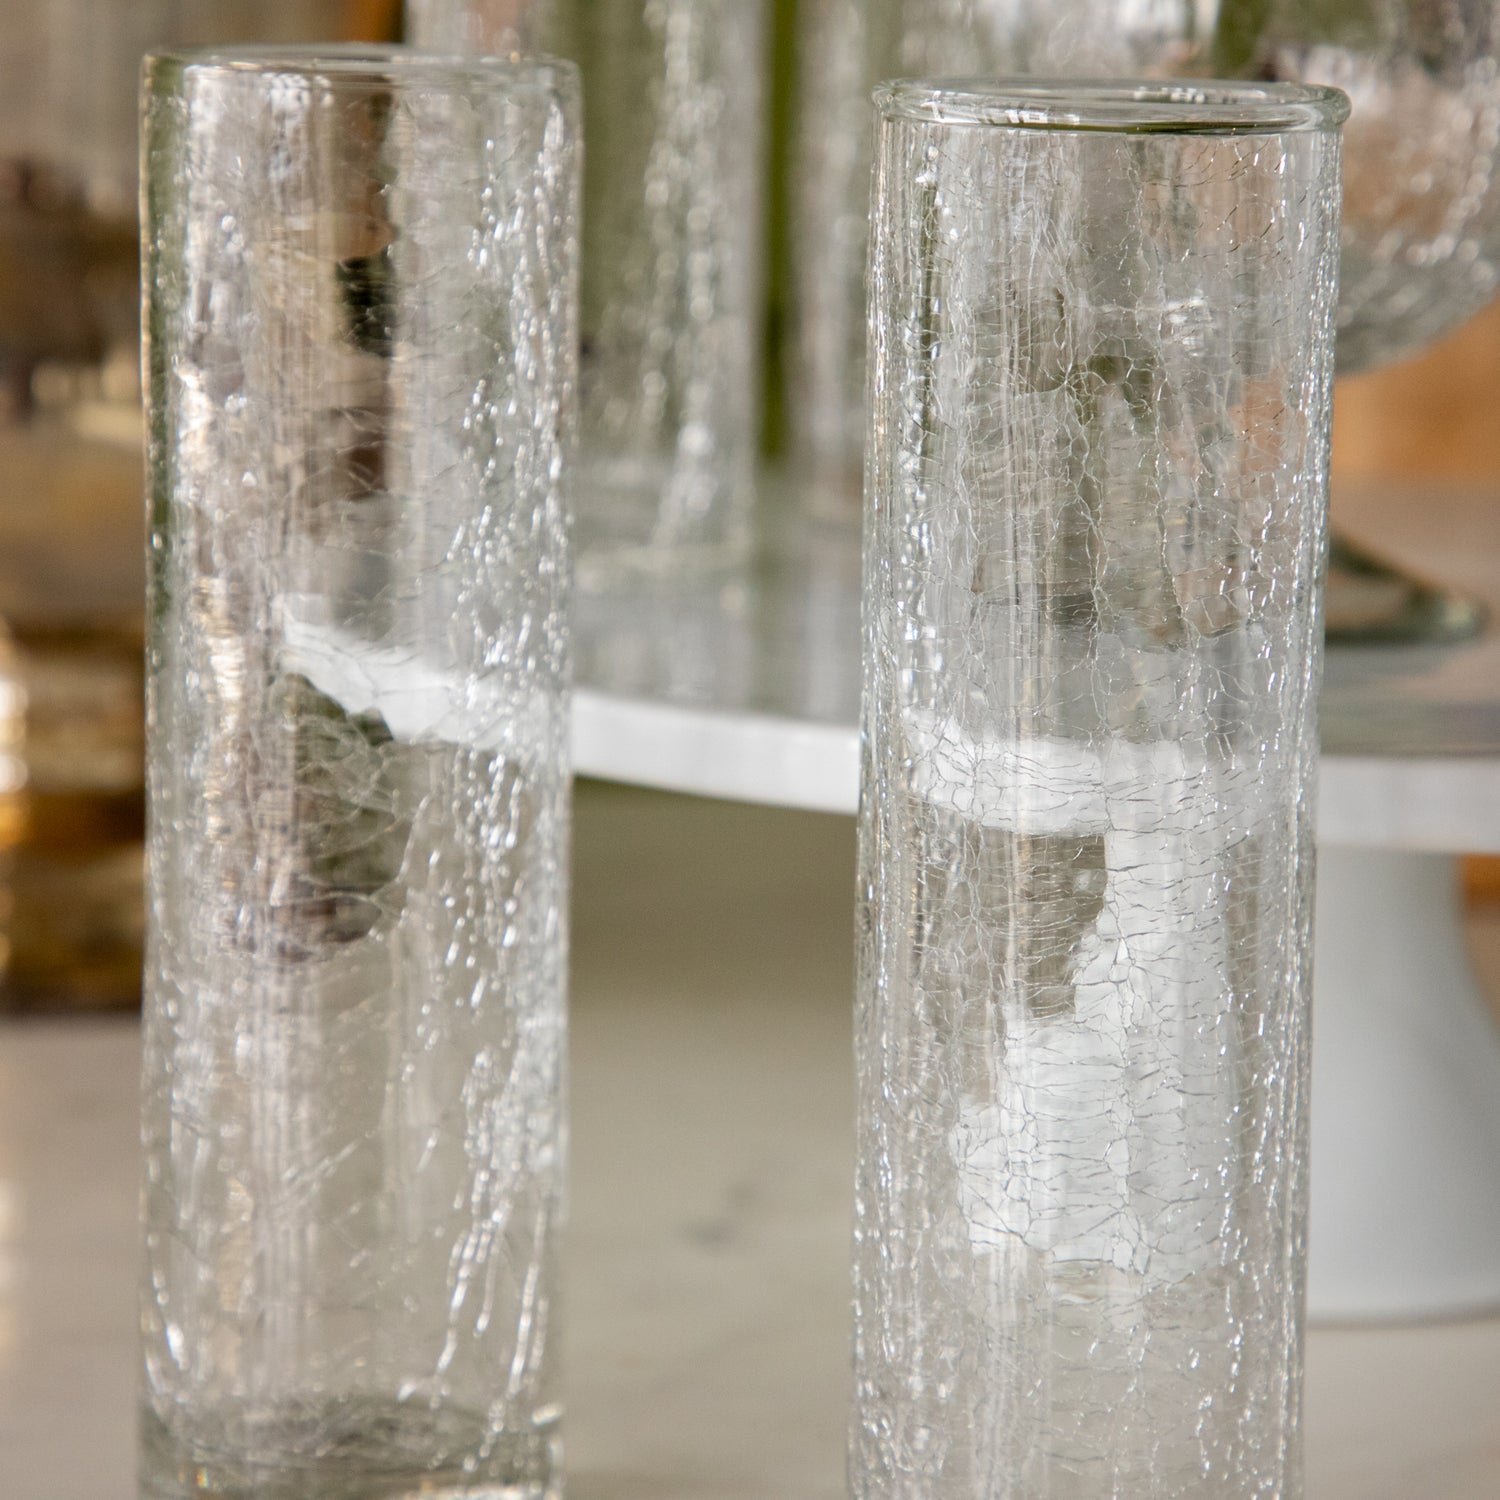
[360,282]
[1101,342]
[669,404]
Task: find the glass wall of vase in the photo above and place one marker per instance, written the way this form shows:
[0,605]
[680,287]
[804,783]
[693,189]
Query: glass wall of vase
[1421,246]
[1098,454]
[359,406]
[672,239]
[71,533]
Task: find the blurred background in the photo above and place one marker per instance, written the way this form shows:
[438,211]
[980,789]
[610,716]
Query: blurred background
[71,533]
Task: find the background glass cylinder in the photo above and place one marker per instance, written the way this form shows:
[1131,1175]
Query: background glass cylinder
[1101,344]
[361,277]
[670,370]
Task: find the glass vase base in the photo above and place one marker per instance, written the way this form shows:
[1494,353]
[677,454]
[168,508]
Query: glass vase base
[1372,601]
[365,1450]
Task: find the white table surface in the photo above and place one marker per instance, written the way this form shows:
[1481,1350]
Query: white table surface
[747,686]
[706,1273]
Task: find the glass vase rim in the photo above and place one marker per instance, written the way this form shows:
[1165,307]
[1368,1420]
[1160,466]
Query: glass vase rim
[1129,106]
[358,64]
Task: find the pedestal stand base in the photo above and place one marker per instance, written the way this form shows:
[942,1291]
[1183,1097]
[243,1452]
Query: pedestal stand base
[1405,1212]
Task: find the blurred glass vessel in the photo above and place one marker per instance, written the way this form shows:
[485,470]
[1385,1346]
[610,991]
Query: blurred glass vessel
[1101,337]
[361,280]
[670,365]
[1421,237]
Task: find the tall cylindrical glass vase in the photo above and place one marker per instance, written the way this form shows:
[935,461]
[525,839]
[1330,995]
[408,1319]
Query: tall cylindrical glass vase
[1101,362]
[360,278]
[669,409]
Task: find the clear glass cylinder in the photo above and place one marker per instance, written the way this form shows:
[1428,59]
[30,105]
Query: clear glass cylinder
[1101,346]
[829,194]
[361,281]
[670,368]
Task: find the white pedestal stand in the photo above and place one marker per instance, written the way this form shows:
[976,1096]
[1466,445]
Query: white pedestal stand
[1405,1203]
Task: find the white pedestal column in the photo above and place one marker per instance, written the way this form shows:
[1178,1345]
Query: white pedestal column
[1405,1211]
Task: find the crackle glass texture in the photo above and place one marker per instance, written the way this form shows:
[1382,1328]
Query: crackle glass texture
[1421,215]
[361,289]
[1101,344]
[671,317]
